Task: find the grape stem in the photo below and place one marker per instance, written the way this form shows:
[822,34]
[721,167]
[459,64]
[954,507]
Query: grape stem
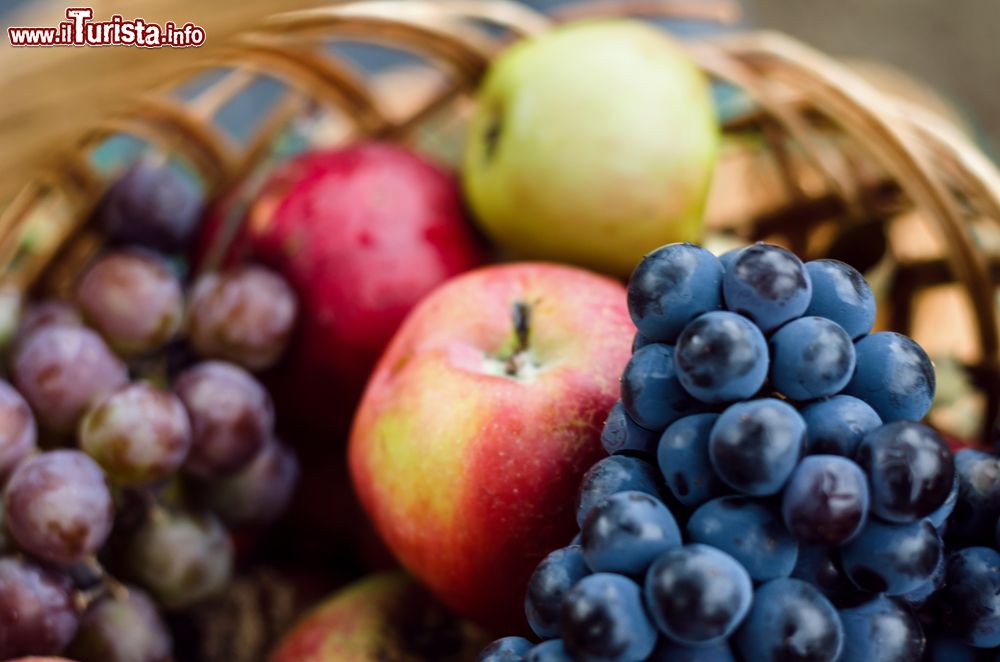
[99,583]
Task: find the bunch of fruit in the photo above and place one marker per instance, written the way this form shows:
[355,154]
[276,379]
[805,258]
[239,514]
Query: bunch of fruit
[769,493]
[132,433]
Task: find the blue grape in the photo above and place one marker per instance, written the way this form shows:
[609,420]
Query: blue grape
[892,558]
[950,649]
[920,595]
[553,578]
[671,286]
[840,293]
[617,473]
[790,620]
[626,531]
[621,433]
[940,516]
[837,425]
[970,600]
[750,532]
[910,470]
[882,630]
[553,650]
[755,445]
[894,375]
[640,341]
[721,357]
[819,565]
[603,619]
[651,392]
[728,259]
[768,284]
[684,462]
[668,651]
[978,503]
[698,595]
[825,500]
[811,357]
[507,649]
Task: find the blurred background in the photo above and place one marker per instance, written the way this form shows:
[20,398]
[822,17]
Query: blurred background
[949,45]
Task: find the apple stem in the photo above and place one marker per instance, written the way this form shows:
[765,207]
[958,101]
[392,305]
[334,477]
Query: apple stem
[492,135]
[522,327]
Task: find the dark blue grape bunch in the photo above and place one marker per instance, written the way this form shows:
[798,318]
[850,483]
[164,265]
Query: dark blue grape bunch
[769,492]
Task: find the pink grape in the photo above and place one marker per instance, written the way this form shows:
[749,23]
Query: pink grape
[126,628]
[38,614]
[153,203]
[181,558]
[61,370]
[134,299]
[259,492]
[59,506]
[6,544]
[232,416]
[40,314]
[139,434]
[17,430]
[244,315]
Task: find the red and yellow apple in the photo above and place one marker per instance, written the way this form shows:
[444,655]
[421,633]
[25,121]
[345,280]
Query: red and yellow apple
[383,617]
[468,446]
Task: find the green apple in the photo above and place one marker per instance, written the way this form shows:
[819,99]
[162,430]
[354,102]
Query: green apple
[593,144]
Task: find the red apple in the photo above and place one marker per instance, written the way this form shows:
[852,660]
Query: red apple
[362,233]
[383,617]
[478,422]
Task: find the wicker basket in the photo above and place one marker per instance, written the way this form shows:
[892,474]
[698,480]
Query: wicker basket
[818,160]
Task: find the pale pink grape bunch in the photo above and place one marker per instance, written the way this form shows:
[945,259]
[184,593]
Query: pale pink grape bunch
[115,466]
